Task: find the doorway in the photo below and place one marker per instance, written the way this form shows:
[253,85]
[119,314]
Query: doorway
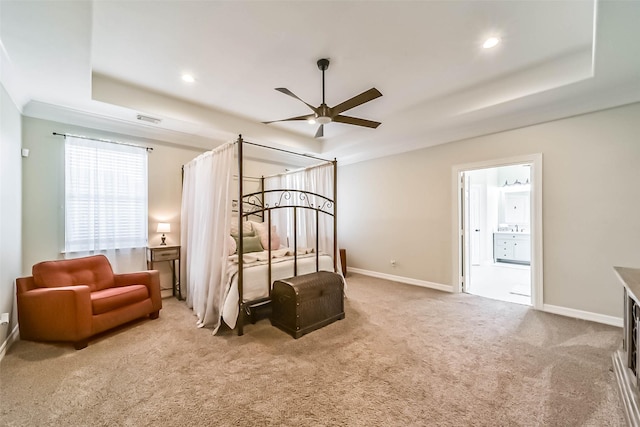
[499,229]
[497,209]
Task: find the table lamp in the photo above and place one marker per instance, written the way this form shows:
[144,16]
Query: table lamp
[164,227]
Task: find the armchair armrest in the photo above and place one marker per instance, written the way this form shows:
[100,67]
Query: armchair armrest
[54,314]
[150,278]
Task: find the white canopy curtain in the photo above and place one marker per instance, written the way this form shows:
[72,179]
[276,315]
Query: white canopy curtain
[206,219]
[315,179]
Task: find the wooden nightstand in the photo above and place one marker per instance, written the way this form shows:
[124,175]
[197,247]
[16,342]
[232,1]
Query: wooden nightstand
[166,253]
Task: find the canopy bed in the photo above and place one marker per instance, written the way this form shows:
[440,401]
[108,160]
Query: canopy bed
[236,243]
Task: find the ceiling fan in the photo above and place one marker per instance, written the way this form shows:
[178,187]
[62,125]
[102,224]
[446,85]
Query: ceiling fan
[325,114]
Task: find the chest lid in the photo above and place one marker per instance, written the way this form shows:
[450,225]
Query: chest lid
[311,286]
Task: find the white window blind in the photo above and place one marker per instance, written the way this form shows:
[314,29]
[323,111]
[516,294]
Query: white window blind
[105,195]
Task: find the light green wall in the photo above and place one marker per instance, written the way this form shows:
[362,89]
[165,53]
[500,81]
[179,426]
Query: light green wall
[43,191]
[10,210]
[400,207]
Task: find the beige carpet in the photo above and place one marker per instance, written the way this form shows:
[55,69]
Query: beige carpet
[404,356]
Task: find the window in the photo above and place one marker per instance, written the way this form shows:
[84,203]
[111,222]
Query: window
[105,195]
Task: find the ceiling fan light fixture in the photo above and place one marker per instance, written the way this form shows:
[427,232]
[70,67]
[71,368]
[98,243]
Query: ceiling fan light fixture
[311,121]
[323,120]
[491,42]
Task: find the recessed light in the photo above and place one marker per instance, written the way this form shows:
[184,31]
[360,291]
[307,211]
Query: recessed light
[188,78]
[491,42]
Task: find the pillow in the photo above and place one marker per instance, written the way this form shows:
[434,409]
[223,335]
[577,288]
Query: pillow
[246,227]
[251,233]
[263,232]
[251,244]
[233,247]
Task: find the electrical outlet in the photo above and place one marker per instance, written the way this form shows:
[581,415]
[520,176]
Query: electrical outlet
[4,319]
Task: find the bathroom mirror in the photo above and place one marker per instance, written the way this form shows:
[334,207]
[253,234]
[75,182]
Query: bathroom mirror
[516,208]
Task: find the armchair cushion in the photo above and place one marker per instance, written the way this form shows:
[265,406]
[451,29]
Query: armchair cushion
[113,298]
[93,271]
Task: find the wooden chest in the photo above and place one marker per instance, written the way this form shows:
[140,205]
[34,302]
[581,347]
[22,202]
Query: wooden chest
[305,303]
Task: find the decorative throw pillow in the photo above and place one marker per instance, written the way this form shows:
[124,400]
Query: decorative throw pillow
[250,233]
[251,244]
[263,232]
[232,245]
[246,227]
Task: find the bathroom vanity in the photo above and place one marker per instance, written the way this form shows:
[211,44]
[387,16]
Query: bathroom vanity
[513,247]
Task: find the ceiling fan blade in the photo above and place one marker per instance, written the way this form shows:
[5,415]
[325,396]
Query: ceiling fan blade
[293,95]
[320,132]
[366,96]
[307,117]
[356,121]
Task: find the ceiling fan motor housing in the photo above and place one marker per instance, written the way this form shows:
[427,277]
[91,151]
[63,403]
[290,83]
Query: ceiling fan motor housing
[324,115]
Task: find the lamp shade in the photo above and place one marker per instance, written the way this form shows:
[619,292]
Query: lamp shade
[164,227]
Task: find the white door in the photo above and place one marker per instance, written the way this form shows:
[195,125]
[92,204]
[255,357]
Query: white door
[464,222]
[474,223]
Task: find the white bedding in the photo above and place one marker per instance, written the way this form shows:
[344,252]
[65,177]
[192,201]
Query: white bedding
[256,275]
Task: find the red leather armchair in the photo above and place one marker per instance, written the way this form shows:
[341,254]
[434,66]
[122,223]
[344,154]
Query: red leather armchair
[74,299]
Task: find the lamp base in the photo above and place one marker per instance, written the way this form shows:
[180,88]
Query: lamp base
[163,243]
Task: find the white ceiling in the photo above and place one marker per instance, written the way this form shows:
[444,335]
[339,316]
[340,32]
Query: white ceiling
[102,63]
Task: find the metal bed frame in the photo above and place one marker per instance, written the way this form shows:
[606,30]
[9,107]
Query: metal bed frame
[253,204]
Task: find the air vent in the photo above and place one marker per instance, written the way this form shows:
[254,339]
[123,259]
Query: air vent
[149,119]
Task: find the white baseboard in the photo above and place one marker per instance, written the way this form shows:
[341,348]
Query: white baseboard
[562,311]
[407,280]
[584,315]
[11,338]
